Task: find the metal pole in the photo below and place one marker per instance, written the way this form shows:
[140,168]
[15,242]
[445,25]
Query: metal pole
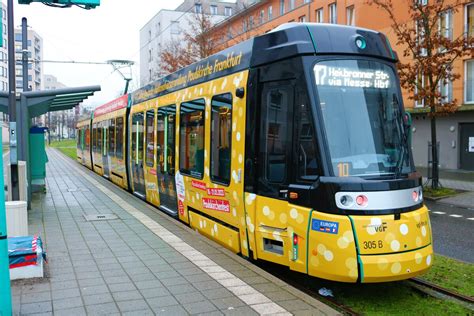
[12,102]
[24,51]
[49,128]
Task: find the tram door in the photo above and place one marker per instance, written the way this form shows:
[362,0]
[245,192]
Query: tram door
[138,177]
[105,146]
[166,150]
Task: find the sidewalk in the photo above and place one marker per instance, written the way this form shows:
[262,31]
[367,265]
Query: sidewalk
[142,262]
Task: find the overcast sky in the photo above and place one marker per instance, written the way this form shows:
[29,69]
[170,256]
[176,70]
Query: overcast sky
[111,31]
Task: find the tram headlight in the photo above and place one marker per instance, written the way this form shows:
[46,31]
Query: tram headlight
[347,200]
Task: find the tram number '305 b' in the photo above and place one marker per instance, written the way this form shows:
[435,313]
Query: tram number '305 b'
[373,244]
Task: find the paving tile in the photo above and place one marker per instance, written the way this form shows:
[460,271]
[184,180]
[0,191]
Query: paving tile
[67,303]
[63,285]
[97,299]
[241,311]
[174,310]
[127,295]
[35,297]
[119,287]
[133,306]
[180,289]
[92,290]
[154,292]
[162,301]
[190,297]
[227,303]
[199,307]
[148,284]
[33,308]
[78,311]
[91,282]
[294,305]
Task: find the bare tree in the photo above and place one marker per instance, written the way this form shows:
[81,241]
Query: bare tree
[430,49]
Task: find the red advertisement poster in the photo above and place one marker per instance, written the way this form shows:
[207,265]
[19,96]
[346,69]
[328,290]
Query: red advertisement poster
[198,185]
[216,205]
[180,208]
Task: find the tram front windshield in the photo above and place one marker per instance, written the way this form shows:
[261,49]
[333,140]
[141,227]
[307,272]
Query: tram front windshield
[360,103]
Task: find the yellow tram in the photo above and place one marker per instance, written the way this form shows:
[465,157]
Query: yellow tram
[290,147]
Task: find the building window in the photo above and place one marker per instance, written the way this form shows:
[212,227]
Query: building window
[446,24]
[198,8]
[262,16]
[270,13]
[292,4]
[302,19]
[420,34]
[174,27]
[319,16]
[332,13]
[150,55]
[221,137]
[469,82]
[150,138]
[470,20]
[282,7]
[250,22]
[350,15]
[191,156]
[421,80]
[446,90]
[213,9]
[227,11]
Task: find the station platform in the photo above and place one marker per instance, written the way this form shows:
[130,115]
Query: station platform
[137,260]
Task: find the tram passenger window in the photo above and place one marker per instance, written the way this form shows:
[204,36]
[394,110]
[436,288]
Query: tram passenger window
[119,137]
[87,139]
[137,137]
[191,157]
[306,147]
[276,131]
[94,138]
[78,144]
[171,141]
[112,137]
[221,137]
[150,137]
[99,138]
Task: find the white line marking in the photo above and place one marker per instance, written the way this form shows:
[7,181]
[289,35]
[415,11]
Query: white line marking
[471,218]
[253,298]
[455,215]
[440,213]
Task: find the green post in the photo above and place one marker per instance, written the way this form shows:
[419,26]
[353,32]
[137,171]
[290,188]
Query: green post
[5,291]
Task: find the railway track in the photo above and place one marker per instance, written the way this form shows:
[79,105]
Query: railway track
[440,292]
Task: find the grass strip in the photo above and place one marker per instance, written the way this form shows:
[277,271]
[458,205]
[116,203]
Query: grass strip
[452,274]
[438,193]
[395,298]
[67,147]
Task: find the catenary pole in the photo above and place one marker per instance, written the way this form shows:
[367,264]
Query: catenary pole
[12,101]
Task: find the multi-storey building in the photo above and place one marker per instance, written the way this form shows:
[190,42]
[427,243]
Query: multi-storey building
[35,56]
[455,132]
[169,26]
[4,52]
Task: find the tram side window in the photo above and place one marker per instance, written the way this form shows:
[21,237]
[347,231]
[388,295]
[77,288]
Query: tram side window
[221,137]
[276,134]
[94,138]
[307,169]
[150,138]
[99,138]
[87,139]
[137,138]
[119,138]
[191,157]
[79,133]
[112,137]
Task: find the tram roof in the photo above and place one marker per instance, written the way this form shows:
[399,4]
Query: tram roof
[287,40]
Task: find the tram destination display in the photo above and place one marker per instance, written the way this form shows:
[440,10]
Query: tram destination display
[351,77]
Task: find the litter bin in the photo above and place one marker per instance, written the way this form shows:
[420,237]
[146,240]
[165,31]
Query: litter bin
[38,158]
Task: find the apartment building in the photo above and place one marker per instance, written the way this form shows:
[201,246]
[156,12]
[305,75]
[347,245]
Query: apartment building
[35,57]
[455,132]
[170,26]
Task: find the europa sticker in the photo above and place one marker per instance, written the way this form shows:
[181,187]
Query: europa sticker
[325,226]
[216,205]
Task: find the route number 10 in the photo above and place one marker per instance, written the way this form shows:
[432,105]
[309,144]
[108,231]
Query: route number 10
[343,169]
